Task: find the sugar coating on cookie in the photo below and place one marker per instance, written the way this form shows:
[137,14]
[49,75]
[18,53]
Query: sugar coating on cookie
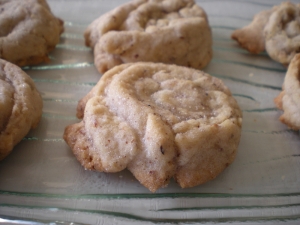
[28,31]
[276,30]
[168,31]
[159,121]
[20,106]
[289,99]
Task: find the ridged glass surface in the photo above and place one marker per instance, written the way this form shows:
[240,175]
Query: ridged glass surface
[41,182]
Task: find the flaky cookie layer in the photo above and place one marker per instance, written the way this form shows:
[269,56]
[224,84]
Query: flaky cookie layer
[289,99]
[29,31]
[20,106]
[159,121]
[168,31]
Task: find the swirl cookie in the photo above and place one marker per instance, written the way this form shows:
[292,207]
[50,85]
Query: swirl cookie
[168,31]
[159,121]
[20,106]
[282,33]
[29,31]
[276,30]
[289,99]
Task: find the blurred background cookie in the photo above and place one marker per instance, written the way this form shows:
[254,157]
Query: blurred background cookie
[168,31]
[289,99]
[159,121]
[282,33]
[28,31]
[276,30]
[20,106]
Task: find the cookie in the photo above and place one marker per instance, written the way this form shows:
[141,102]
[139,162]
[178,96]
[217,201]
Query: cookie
[29,31]
[251,37]
[20,106]
[289,99]
[168,31]
[159,121]
[276,30]
[282,33]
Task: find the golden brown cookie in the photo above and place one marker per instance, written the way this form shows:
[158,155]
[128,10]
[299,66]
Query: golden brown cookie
[28,31]
[159,121]
[276,30]
[289,99]
[282,33]
[20,106]
[168,31]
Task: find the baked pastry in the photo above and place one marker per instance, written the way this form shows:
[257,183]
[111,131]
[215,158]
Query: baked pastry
[276,30]
[282,33]
[289,99]
[251,37]
[28,31]
[168,31]
[20,106]
[159,121]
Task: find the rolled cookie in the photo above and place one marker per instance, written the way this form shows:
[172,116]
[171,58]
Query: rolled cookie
[282,33]
[168,31]
[289,99]
[276,30]
[28,31]
[159,121]
[20,106]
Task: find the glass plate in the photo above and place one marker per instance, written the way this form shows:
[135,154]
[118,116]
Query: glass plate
[41,182]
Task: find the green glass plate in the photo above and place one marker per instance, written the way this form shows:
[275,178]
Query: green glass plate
[41,182]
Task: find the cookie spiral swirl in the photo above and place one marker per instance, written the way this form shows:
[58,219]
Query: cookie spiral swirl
[282,33]
[159,121]
[167,31]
